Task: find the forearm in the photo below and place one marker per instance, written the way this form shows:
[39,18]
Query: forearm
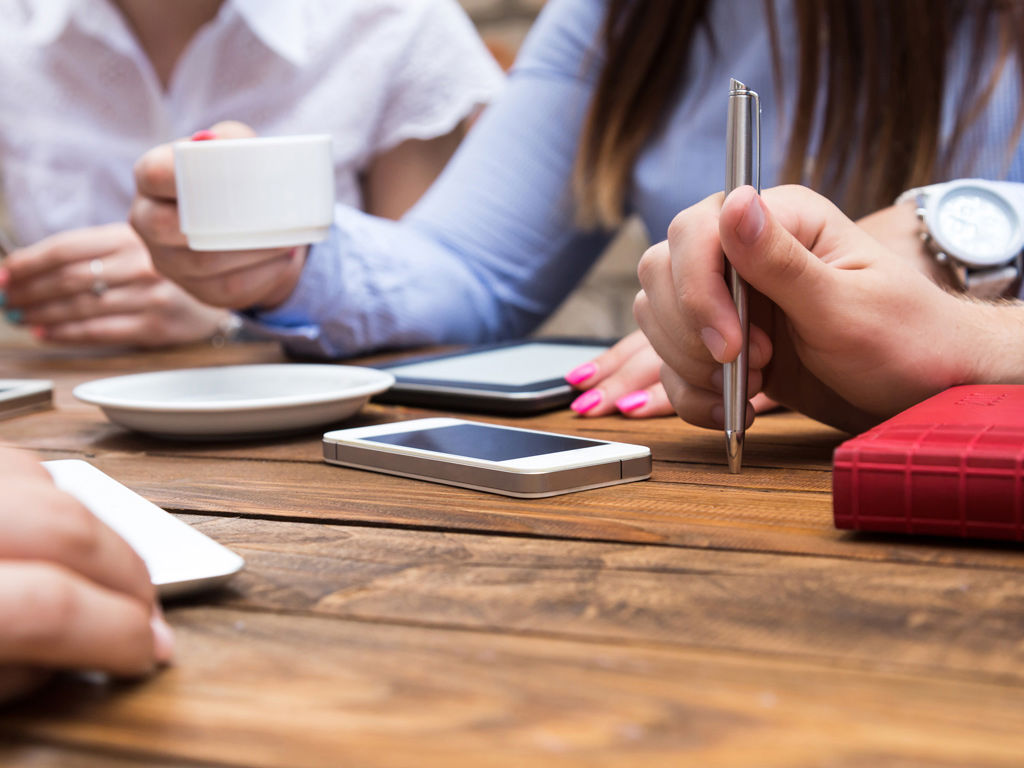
[491,249]
[375,284]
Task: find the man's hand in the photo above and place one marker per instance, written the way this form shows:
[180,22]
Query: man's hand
[841,329]
[233,279]
[899,230]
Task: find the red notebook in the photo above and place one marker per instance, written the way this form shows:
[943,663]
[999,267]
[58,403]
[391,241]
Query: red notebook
[952,465]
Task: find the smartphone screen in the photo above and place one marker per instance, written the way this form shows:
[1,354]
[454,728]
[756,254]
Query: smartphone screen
[480,441]
[513,366]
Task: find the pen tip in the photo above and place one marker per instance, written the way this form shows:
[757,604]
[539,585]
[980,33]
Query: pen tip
[734,450]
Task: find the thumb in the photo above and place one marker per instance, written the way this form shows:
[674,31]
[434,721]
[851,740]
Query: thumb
[774,259]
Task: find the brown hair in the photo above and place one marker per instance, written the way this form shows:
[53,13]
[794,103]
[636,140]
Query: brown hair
[875,70]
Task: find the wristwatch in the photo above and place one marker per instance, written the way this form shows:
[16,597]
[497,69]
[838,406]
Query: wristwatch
[974,227]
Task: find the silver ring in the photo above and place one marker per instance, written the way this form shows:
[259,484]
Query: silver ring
[99,285]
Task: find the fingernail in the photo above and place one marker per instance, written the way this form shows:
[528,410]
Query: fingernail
[5,277]
[586,401]
[750,225]
[633,400]
[163,639]
[581,373]
[714,341]
[38,331]
[203,136]
[13,316]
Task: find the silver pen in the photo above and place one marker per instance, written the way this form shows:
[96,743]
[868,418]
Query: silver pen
[742,167]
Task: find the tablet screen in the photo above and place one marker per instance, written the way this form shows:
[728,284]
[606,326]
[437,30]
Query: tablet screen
[513,366]
[480,441]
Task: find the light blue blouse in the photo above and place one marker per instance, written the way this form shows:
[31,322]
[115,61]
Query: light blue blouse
[492,249]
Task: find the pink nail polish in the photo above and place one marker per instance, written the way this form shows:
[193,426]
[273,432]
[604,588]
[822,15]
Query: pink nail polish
[586,401]
[581,373]
[633,400]
[5,277]
[38,331]
[203,135]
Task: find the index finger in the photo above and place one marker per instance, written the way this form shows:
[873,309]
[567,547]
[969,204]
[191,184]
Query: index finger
[695,294]
[64,248]
[154,173]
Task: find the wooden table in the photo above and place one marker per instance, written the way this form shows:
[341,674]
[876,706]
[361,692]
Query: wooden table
[697,618]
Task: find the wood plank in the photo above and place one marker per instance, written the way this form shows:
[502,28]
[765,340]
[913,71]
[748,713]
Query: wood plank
[258,689]
[781,442]
[669,514]
[951,620]
[25,754]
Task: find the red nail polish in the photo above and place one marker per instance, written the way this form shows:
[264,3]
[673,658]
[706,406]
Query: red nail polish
[586,401]
[581,373]
[5,277]
[203,135]
[39,332]
[633,400]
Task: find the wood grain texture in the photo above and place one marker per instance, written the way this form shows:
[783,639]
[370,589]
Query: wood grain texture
[296,691]
[697,618]
[950,621]
[710,515]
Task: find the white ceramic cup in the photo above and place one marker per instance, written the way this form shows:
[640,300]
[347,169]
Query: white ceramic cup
[264,192]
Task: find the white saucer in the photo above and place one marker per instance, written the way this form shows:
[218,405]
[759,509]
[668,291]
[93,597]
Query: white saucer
[235,400]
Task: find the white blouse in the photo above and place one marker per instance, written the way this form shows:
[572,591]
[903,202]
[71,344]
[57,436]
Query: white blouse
[80,102]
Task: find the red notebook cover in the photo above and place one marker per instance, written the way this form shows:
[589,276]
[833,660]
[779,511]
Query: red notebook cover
[952,466]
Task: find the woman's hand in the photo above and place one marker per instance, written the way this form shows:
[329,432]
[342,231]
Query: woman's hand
[627,379]
[624,379]
[840,328]
[72,593]
[233,279]
[98,286]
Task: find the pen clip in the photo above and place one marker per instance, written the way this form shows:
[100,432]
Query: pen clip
[743,138]
[756,119]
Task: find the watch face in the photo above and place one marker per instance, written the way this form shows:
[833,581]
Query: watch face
[976,226]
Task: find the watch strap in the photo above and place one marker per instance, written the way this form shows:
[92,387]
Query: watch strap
[994,283]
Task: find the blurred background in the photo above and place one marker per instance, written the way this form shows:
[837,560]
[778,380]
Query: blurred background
[602,305]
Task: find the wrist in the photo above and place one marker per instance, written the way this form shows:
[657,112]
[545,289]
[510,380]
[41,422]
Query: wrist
[991,335]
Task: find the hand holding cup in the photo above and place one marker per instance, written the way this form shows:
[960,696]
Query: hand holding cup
[229,219]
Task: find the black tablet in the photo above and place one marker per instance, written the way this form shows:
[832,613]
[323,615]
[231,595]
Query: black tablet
[516,377]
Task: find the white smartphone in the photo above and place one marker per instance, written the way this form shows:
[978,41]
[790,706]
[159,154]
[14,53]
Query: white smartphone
[180,559]
[506,460]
